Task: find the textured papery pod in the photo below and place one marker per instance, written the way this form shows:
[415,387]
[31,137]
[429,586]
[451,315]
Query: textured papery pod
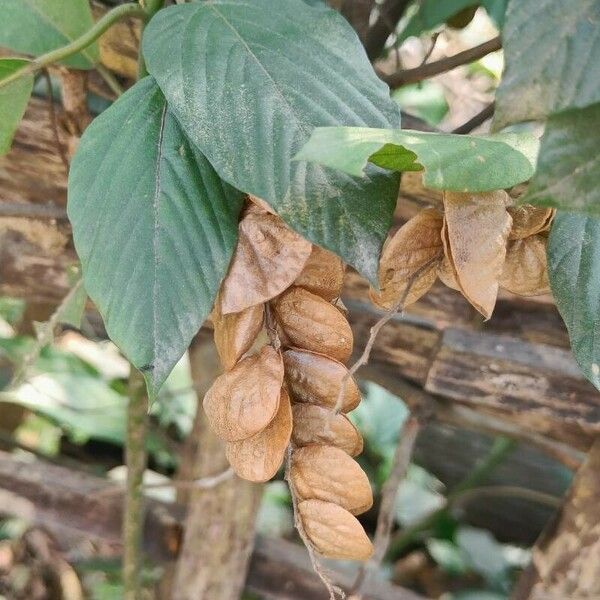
[235,333]
[258,458]
[328,473]
[410,257]
[323,274]
[475,235]
[317,425]
[316,379]
[267,259]
[447,275]
[243,401]
[529,220]
[526,270]
[312,323]
[260,203]
[333,531]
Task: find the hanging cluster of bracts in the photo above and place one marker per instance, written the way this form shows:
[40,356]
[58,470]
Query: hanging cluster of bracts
[474,243]
[283,338]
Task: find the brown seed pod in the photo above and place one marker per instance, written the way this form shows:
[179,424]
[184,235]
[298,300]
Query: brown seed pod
[317,425]
[411,256]
[268,258]
[258,458]
[529,220]
[312,323]
[243,401]
[526,270]
[235,333]
[333,531]
[323,274]
[446,274]
[475,235]
[316,379]
[328,473]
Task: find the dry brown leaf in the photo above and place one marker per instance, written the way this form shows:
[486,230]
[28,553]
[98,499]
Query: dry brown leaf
[268,258]
[235,333]
[333,531]
[526,270]
[328,473]
[243,401]
[323,274]
[529,220]
[475,235]
[446,274]
[317,425]
[312,323]
[411,256]
[258,458]
[316,379]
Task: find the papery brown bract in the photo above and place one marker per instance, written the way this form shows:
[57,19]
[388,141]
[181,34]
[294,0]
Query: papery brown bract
[259,457]
[446,273]
[529,220]
[317,425]
[328,473]
[475,235]
[333,531]
[525,269]
[410,257]
[243,401]
[310,322]
[323,274]
[317,379]
[267,259]
[235,333]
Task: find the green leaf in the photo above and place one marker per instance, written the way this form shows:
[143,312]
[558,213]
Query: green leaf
[13,100]
[568,170]
[574,271]
[39,26]
[425,100]
[552,54]
[460,163]
[249,83]
[484,554]
[154,227]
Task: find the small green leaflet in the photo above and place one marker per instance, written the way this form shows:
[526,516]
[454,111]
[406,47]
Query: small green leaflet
[13,100]
[574,271]
[154,227]
[552,54]
[568,170]
[248,84]
[459,163]
[38,26]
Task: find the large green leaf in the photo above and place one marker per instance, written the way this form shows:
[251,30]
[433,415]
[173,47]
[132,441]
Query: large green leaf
[13,100]
[154,227]
[574,270]
[568,170]
[552,53]
[452,162]
[38,26]
[249,80]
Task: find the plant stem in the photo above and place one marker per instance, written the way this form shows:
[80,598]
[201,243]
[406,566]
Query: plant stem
[89,37]
[151,7]
[135,456]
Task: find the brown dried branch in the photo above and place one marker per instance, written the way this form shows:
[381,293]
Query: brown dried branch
[390,13]
[54,121]
[480,118]
[443,65]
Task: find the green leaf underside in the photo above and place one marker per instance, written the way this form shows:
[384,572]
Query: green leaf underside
[233,77]
[574,271]
[154,227]
[452,162]
[39,26]
[13,100]
[552,53]
[568,170]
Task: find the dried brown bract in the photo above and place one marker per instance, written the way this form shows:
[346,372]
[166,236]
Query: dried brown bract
[529,220]
[323,274]
[525,270]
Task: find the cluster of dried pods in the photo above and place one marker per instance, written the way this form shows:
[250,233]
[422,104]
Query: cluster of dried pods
[474,243]
[283,338]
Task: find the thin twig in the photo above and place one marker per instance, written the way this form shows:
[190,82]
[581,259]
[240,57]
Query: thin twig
[506,491]
[32,211]
[443,65]
[54,121]
[480,118]
[136,458]
[434,39]
[334,590]
[385,518]
[390,13]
